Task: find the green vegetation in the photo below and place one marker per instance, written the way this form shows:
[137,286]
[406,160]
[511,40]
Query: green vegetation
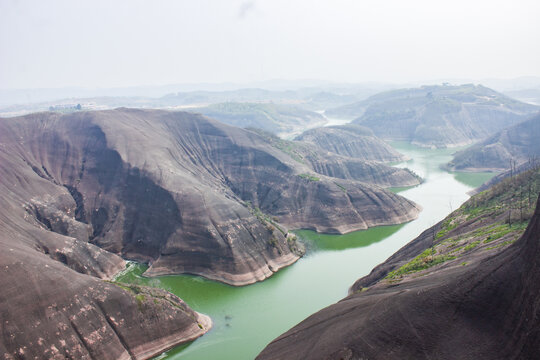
[341,187]
[423,261]
[502,212]
[448,225]
[265,219]
[498,231]
[309,177]
[290,148]
[471,246]
[515,195]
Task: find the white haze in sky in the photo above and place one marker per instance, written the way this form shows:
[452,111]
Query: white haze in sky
[126,43]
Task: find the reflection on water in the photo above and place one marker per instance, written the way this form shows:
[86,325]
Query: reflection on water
[247,318]
[355,239]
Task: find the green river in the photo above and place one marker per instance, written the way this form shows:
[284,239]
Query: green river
[247,318]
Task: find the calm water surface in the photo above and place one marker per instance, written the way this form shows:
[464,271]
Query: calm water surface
[246,319]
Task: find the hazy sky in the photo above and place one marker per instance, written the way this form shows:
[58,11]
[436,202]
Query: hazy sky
[124,43]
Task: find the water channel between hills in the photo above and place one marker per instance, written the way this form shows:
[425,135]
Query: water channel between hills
[247,318]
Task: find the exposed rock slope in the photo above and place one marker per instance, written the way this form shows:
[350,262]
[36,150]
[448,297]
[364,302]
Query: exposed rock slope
[508,148]
[438,115]
[182,192]
[352,141]
[53,302]
[331,164]
[276,118]
[465,289]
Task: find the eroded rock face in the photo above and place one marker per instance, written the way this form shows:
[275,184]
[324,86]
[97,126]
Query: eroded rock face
[182,192]
[480,306]
[54,302]
[332,164]
[508,148]
[352,141]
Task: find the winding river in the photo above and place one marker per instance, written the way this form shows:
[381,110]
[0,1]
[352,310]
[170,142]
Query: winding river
[247,318]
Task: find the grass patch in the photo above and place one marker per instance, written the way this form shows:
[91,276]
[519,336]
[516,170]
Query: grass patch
[309,177]
[423,261]
[504,243]
[471,246]
[341,187]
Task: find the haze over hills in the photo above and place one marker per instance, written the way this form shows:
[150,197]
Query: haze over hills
[508,148]
[312,98]
[276,118]
[467,288]
[437,115]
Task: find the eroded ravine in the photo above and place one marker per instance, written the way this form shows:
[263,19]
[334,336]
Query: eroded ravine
[247,318]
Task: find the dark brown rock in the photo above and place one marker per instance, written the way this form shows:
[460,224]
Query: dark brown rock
[481,306]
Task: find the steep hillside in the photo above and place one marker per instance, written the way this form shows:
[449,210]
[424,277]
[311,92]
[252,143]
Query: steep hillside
[353,141]
[186,194]
[54,302]
[276,118]
[468,288]
[508,148]
[342,167]
[437,115]
[182,192]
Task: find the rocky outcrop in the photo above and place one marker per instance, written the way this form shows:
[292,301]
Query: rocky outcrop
[338,166]
[351,141]
[54,301]
[438,116]
[508,148]
[182,192]
[464,289]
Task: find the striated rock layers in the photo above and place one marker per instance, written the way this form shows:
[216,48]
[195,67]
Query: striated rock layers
[352,141]
[482,303]
[331,164]
[54,302]
[182,192]
[511,147]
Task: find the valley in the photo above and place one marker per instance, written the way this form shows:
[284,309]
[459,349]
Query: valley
[247,318]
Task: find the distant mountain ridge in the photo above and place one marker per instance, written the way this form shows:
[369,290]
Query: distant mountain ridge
[437,116]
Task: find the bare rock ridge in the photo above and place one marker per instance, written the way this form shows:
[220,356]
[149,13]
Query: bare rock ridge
[180,191]
[54,301]
[468,288]
[510,147]
[331,164]
[352,141]
[437,116]
[183,192]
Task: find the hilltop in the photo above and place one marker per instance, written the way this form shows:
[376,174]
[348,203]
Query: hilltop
[438,116]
